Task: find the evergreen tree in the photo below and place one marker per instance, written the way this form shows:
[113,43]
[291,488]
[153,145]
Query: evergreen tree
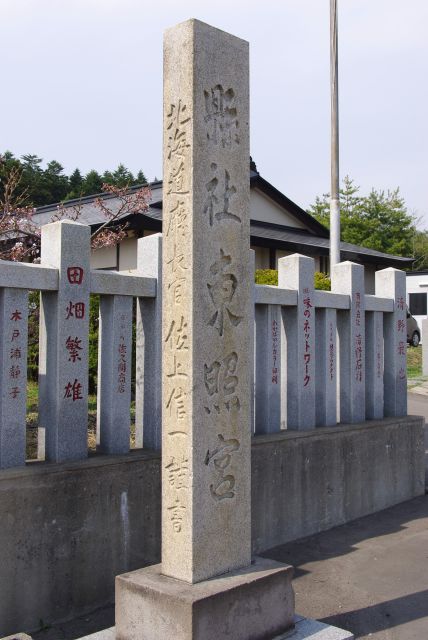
[349,204]
[107,177]
[40,186]
[141,178]
[378,221]
[31,163]
[93,183]
[7,163]
[55,182]
[75,182]
[8,156]
[122,177]
[32,180]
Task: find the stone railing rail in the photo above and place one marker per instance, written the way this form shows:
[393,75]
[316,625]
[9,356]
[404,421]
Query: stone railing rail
[320,357]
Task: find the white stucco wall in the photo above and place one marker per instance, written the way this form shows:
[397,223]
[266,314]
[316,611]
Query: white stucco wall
[266,210]
[104,258]
[128,254]
[417,283]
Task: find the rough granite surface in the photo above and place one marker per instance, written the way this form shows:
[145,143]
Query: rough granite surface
[207,304]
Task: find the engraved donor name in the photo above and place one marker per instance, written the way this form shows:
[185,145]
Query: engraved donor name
[274,351]
[16,373]
[307,356]
[176,514]
[177,119]
[178,472]
[176,337]
[176,403]
[177,226]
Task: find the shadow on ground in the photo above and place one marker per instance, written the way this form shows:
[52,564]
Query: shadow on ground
[81,626]
[383,616]
[346,538]
[369,576]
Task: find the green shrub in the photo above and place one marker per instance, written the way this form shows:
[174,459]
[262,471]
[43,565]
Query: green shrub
[322,281]
[266,276]
[270,276]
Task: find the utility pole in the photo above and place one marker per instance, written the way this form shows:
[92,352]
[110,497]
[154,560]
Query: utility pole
[334,198]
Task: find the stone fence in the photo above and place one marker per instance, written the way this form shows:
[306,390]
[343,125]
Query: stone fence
[65,282]
[320,357]
[323,358]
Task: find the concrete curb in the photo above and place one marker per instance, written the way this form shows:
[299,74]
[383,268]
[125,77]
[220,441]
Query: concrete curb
[421,390]
[308,629]
[305,629]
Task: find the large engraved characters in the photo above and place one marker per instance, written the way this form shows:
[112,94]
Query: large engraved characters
[176,396]
[206,315]
[222,290]
[221,116]
[221,378]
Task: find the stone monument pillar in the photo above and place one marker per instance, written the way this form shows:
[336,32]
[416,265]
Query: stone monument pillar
[207,291]
[206,586]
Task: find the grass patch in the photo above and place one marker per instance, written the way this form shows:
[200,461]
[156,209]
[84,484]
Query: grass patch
[32,396]
[33,421]
[414,362]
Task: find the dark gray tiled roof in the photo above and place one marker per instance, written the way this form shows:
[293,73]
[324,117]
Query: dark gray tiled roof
[315,239]
[294,237]
[91,214]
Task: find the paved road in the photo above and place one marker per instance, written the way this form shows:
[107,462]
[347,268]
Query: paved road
[418,405]
[369,576]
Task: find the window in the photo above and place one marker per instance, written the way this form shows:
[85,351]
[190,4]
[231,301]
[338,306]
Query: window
[418,304]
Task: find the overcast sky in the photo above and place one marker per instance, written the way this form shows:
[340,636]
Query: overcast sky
[81,83]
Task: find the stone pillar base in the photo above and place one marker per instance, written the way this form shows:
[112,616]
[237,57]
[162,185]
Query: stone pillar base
[255,603]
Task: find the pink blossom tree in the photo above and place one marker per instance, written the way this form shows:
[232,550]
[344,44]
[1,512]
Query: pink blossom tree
[20,233]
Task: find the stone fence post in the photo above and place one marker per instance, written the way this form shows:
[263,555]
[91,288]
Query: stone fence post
[64,328]
[148,382]
[391,283]
[348,278]
[268,331]
[114,373]
[326,368]
[13,376]
[298,365]
[374,365]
